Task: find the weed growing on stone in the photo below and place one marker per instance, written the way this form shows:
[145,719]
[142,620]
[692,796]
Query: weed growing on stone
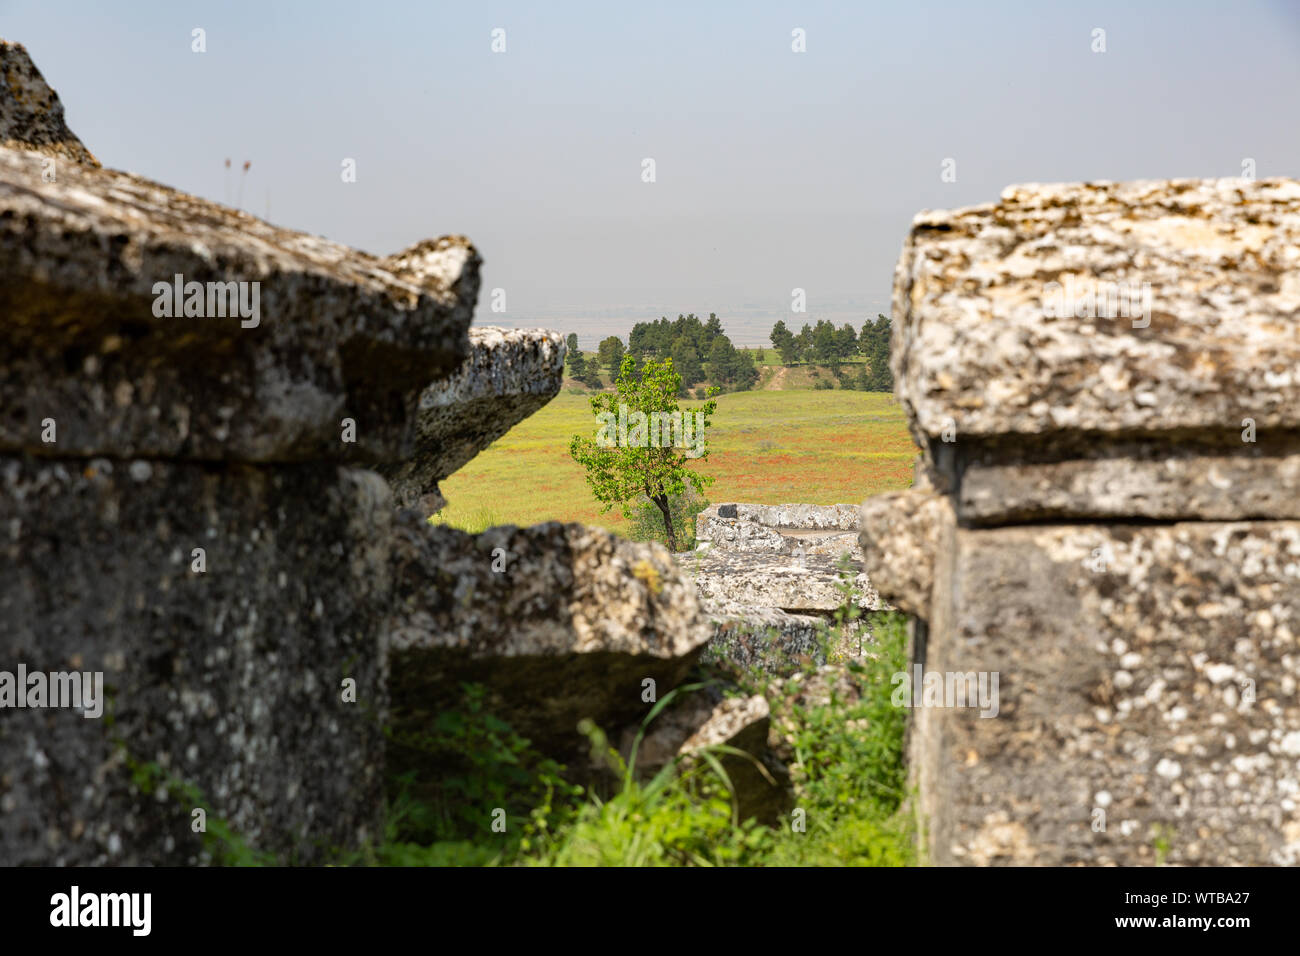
[843,741]
[224,846]
[840,736]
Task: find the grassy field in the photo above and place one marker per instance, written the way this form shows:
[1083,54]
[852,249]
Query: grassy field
[770,447]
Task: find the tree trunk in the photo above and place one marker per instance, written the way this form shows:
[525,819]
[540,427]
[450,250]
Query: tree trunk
[662,502]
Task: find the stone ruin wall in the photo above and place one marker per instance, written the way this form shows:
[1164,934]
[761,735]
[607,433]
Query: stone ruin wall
[771,578]
[1105,516]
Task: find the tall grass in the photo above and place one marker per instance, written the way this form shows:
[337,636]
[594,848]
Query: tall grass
[846,762]
[474,521]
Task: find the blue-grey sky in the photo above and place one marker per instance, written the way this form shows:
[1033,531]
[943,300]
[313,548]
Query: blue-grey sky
[775,170]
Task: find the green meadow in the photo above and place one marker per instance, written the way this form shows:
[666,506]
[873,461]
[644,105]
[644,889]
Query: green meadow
[770,447]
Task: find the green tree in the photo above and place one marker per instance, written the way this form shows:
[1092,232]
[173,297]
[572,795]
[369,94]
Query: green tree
[846,342]
[687,362]
[824,345]
[784,342]
[624,463]
[875,338]
[712,329]
[722,361]
[805,340]
[577,365]
[591,375]
[610,354]
[746,372]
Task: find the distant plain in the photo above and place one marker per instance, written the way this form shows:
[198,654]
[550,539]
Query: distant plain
[766,446]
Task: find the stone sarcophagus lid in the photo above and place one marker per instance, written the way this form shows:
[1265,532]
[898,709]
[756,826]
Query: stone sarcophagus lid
[1105,382]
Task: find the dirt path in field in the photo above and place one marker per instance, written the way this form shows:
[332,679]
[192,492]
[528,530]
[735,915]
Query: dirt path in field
[777,382]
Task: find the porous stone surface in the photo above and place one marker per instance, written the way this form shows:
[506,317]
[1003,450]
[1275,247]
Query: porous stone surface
[746,639]
[770,579]
[974,351]
[31,115]
[1225,480]
[802,545]
[569,627]
[787,582]
[510,373]
[796,530]
[735,534]
[739,534]
[762,637]
[1146,671]
[1144,652]
[228,680]
[339,335]
[902,533]
[798,517]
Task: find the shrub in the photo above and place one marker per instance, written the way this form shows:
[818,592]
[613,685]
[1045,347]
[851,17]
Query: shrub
[648,522]
[848,768]
[684,816]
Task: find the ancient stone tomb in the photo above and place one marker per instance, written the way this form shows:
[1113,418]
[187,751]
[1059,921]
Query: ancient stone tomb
[1107,516]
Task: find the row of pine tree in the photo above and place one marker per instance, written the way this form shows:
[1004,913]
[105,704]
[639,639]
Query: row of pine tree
[701,351]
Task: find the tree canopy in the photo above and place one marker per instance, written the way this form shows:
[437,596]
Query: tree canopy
[645,441]
[827,345]
[699,350]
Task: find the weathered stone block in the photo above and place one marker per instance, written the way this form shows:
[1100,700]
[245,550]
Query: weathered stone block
[559,622]
[784,581]
[1146,672]
[228,680]
[747,638]
[902,534]
[798,517]
[338,333]
[735,534]
[1160,479]
[510,373]
[766,638]
[977,350]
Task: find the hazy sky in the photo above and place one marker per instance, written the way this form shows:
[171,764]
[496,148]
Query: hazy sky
[774,169]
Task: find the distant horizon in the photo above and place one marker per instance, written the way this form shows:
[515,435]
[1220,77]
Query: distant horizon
[792,144]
